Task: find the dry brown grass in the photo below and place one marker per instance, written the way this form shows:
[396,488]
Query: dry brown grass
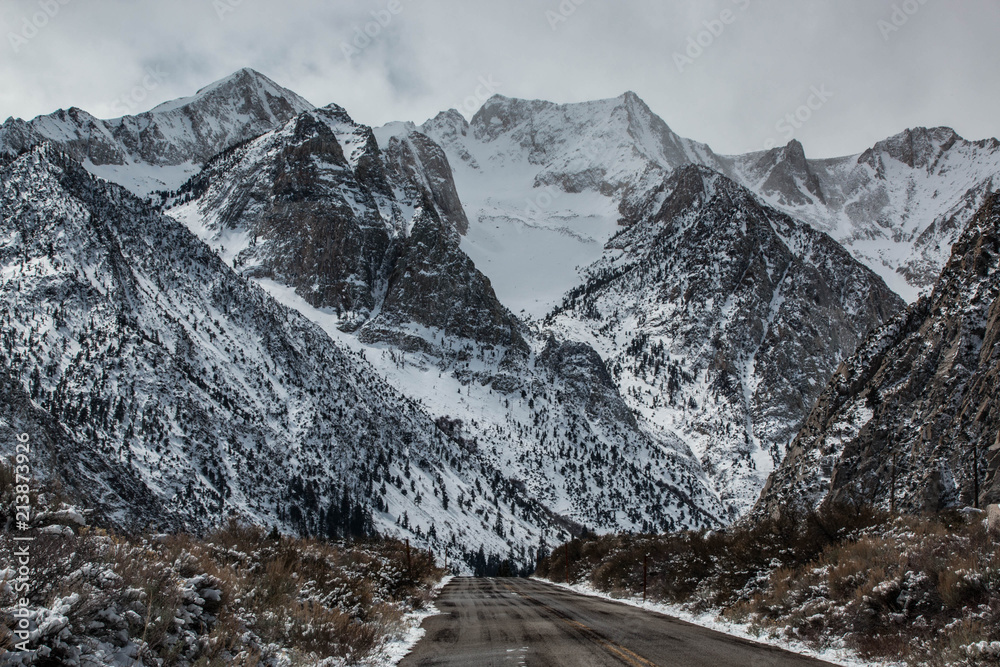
[239,594]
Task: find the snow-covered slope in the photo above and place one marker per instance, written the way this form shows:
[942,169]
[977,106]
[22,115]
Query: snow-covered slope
[545,184]
[159,360]
[542,184]
[898,207]
[690,325]
[377,263]
[719,317]
[911,420]
[161,148]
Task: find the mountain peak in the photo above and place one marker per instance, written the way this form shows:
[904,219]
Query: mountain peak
[917,147]
[793,149]
[175,136]
[247,86]
[450,122]
[635,103]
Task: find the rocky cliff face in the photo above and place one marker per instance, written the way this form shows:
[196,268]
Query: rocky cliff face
[717,315]
[785,177]
[434,284]
[910,420]
[317,206]
[419,161]
[290,206]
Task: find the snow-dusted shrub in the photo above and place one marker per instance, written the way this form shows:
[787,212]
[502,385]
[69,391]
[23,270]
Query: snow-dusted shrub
[238,595]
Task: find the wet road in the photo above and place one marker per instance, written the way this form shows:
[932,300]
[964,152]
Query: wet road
[507,622]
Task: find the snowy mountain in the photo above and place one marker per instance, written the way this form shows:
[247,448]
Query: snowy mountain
[898,207]
[550,317]
[190,394]
[161,148]
[361,246]
[718,317]
[543,184]
[910,420]
[538,176]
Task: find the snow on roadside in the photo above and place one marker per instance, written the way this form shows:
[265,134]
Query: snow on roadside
[398,647]
[712,621]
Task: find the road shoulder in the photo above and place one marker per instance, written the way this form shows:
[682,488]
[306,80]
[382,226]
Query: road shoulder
[711,620]
[411,631]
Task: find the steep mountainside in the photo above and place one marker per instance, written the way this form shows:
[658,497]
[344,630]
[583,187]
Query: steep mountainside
[375,257]
[160,148]
[114,493]
[418,160]
[317,206]
[677,327]
[898,207]
[911,420]
[718,317]
[189,394]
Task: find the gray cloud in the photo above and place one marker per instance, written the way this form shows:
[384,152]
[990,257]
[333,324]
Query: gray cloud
[756,64]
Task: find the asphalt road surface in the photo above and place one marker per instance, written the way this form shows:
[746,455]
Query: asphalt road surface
[507,622]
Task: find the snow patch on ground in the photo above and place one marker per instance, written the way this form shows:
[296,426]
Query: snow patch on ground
[400,646]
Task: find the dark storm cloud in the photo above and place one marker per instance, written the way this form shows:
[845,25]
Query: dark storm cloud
[733,73]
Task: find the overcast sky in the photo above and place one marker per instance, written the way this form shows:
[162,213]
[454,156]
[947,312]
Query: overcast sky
[726,73]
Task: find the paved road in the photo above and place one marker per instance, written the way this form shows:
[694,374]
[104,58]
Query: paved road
[507,622]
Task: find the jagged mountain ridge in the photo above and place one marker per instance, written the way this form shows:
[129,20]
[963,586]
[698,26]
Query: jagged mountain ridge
[157,360]
[271,205]
[544,184]
[910,421]
[533,172]
[717,316]
[898,206]
[160,148]
[401,286]
[317,206]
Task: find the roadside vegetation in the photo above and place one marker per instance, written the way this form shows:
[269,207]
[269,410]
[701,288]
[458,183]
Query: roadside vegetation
[240,595]
[921,589]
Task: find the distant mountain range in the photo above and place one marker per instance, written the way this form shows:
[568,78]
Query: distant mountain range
[486,333]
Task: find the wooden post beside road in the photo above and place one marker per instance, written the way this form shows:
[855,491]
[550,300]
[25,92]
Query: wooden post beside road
[409,563]
[645,569]
[567,562]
